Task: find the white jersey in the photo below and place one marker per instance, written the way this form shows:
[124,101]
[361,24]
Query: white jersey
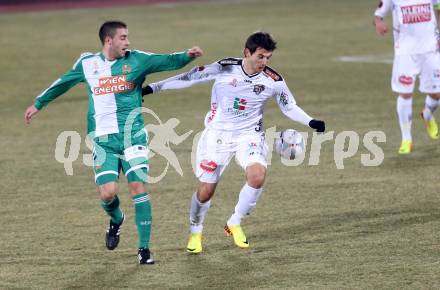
[414,25]
[238,100]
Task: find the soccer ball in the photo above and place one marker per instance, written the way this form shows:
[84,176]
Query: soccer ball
[289,144]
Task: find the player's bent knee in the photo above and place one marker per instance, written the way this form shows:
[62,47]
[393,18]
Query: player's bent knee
[108,191]
[136,188]
[256,181]
[255,175]
[405,96]
[205,191]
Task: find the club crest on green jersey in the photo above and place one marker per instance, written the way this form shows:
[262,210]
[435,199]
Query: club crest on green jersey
[126,68]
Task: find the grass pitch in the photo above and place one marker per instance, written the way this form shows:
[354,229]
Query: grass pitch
[315,227]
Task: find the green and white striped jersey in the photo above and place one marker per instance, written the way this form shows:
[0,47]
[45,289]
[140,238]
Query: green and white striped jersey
[113,87]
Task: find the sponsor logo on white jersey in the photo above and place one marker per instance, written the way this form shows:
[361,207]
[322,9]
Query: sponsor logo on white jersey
[213,112]
[416,13]
[406,80]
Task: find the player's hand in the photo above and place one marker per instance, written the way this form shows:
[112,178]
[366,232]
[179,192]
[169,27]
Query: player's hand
[195,52]
[147,90]
[381,26]
[29,113]
[318,125]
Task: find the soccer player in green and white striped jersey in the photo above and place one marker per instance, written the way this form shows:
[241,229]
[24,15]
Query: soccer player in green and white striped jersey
[113,80]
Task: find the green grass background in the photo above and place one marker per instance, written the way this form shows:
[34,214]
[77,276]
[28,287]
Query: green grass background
[316,227]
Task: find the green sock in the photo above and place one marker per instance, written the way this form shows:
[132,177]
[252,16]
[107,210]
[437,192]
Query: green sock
[142,209]
[113,210]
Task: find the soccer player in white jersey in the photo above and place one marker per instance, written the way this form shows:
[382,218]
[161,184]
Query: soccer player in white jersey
[415,54]
[234,127]
[113,80]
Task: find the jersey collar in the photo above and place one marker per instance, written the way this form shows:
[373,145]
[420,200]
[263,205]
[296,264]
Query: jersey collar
[242,68]
[102,56]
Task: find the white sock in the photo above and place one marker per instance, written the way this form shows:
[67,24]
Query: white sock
[430,106]
[404,110]
[197,214]
[247,201]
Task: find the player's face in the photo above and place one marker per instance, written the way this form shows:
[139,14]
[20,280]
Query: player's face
[258,60]
[118,45]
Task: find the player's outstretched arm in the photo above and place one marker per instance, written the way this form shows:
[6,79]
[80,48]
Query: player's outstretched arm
[288,106]
[57,88]
[198,75]
[153,62]
[295,113]
[29,113]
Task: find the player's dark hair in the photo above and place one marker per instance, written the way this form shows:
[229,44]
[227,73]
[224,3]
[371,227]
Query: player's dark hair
[109,29]
[260,39]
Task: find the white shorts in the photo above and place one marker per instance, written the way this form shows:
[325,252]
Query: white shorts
[216,149]
[407,67]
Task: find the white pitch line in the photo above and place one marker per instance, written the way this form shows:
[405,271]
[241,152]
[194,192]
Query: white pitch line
[373,58]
